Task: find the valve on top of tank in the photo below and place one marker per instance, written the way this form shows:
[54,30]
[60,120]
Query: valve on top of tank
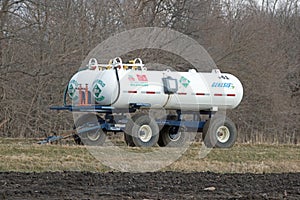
[135,64]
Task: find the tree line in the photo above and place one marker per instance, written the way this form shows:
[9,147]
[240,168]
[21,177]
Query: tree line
[42,44]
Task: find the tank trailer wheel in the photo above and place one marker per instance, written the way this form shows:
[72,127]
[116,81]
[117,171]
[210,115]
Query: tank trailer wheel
[172,136]
[127,133]
[220,132]
[143,130]
[93,137]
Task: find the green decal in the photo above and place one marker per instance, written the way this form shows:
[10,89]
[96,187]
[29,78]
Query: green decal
[98,84]
[72,89]
[139,84]
[100,98]
[97,90]
[184,81]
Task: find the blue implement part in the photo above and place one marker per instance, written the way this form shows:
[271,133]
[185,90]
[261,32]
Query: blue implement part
[87,108]
[139,105]
[50,139]
[98,108]
[187,124]
[105,126]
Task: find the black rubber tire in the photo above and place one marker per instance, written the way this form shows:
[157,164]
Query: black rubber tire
[128,140]
[173,137]
[127,133]
[165,128]
[211,136]
[94,137]
[133,130]
[77,138]
[160,141]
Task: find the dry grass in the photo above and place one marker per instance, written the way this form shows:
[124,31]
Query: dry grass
[243,158]
[25,156]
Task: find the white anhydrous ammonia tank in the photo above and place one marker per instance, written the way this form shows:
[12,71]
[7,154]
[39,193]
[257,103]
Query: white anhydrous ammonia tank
[119,85]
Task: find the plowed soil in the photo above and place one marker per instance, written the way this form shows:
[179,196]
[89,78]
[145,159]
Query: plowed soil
[158,185]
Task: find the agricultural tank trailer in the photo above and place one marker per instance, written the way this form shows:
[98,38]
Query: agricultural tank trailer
[104,95]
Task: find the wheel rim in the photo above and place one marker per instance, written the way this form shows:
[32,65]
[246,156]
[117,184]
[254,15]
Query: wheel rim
[93,135]
[223,134]
[174,135]
[145,133]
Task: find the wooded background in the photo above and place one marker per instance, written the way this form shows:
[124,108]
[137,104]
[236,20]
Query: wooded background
[43,42]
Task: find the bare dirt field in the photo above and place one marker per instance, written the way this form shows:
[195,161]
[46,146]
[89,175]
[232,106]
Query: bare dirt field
[158,185]
[30,171]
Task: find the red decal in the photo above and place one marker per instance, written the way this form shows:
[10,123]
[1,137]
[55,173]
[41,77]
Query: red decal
[218,95]
[131,78]
[150,92]
[142,77]
[132,92]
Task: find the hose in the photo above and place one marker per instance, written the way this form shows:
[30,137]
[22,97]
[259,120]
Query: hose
[119,86]
[65,96]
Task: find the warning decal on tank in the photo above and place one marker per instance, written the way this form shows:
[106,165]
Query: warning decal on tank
[72,89]
[131,78]
[97,90]
[97,85]
[142,77]
[184,81]
[141,80]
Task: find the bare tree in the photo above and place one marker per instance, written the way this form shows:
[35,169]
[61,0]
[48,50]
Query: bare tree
[42,43]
